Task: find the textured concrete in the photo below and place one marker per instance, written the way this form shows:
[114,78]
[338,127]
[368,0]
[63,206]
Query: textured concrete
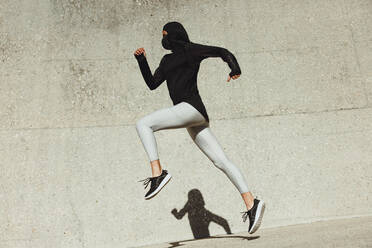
[354,232]
[298,122]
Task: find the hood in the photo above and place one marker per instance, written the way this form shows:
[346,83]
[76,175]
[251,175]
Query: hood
[177,37]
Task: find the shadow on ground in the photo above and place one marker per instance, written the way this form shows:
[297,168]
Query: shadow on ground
[180,243]
[200,218]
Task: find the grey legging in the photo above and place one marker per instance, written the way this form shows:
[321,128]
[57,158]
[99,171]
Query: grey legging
[185,115]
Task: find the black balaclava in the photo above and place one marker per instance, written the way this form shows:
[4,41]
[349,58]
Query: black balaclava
[177,37]
[177,41]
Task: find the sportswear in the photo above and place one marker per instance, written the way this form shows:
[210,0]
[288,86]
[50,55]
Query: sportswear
[184,115]
[180,68]
[157,183]
[255,215]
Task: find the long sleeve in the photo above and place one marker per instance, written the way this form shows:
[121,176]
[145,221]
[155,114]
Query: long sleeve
[204,51]
[152,81]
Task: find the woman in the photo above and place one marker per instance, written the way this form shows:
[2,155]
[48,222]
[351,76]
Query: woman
[180,69]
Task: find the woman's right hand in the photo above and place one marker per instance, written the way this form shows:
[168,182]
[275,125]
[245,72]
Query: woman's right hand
[139,51]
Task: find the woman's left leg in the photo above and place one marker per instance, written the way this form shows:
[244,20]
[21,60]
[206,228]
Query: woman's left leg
[209,145]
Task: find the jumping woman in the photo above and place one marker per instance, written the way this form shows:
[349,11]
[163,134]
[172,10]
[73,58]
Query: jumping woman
[180,69]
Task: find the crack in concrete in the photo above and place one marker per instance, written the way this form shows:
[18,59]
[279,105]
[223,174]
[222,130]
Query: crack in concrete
[214,119]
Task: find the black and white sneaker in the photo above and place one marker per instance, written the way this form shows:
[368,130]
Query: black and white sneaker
[255,215]
[157,183]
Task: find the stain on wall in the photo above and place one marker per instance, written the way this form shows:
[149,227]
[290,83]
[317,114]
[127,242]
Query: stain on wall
[9,48]
[108,14]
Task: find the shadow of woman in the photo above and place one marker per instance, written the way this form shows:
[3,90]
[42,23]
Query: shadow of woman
[200,218]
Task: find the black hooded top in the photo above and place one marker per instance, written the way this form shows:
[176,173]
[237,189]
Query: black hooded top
[180,68]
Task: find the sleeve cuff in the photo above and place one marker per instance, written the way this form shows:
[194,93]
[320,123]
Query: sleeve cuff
[232,73]
[140,57]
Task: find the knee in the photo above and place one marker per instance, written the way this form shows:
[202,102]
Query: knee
[221,162]
[140,124]
[143,123]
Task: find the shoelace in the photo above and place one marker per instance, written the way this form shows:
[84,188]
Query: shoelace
[245,215]
[146,181]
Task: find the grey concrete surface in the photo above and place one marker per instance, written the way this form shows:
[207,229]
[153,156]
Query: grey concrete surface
[353,232]
[298,122]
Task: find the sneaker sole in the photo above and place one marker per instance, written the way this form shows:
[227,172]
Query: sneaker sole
[162,184]
[259,215]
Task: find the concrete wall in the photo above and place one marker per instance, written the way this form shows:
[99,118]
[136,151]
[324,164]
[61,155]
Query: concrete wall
[298,122]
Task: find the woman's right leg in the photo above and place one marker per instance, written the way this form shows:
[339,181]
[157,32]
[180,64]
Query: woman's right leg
[177,116]
[204,138]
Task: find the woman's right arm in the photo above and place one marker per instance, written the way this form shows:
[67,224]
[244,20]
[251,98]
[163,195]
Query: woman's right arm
[152,81]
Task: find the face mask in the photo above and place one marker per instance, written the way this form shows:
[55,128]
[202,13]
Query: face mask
[166,43]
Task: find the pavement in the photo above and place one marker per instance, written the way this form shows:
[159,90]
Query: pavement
[351,233]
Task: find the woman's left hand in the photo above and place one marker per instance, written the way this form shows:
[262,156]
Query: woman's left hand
[233,77]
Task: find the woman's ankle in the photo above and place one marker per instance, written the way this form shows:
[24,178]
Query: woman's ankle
[157,173]
[156,168]
[248,200]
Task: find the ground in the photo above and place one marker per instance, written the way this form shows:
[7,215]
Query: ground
[351,233]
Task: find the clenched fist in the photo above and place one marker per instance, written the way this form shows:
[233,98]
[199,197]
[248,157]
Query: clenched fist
[233,77]
[139,51]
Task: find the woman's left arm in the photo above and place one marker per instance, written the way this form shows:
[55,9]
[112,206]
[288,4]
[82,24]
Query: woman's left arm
[204,51]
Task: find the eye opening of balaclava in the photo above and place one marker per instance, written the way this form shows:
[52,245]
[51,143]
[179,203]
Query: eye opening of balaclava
[177,37]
